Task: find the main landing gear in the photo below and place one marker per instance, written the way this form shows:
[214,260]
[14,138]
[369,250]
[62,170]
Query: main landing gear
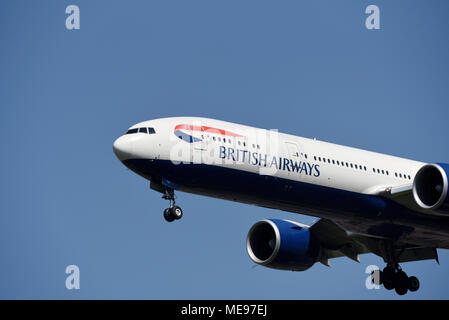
[392,277]
[174,212]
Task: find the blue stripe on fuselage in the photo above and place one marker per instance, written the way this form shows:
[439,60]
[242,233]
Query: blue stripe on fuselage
[186,137]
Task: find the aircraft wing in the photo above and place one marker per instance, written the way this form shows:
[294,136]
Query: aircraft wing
[400,194]
[337,242]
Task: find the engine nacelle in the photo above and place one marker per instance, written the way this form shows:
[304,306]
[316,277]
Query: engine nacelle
[430,188]
[281,244]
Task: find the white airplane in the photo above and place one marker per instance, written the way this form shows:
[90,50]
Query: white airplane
[395,208]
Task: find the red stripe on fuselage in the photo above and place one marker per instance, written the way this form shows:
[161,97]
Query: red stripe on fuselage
[206,129]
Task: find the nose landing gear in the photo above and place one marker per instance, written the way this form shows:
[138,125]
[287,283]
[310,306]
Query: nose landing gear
[174,212]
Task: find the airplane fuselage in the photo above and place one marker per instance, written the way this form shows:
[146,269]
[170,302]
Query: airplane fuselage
[281,171]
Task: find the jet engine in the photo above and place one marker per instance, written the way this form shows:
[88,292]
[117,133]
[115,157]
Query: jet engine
[430,188]
[282,244]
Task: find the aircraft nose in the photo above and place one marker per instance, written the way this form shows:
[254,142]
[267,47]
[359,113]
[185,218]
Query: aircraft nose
[123,148]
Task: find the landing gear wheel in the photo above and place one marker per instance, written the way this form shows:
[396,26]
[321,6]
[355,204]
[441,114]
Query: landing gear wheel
[393,276]
[173,212]
[168,216]
[413,283]
[388,276]
[401,283]
[176,212]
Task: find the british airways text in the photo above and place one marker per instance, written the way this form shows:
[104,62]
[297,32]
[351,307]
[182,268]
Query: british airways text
[263,160]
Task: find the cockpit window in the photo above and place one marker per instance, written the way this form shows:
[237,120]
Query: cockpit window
[131,131]
[141,130]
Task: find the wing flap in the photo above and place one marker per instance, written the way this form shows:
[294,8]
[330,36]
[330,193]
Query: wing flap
[337,242]
[417,254]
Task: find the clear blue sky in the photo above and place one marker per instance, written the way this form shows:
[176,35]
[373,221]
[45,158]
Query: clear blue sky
[309,68]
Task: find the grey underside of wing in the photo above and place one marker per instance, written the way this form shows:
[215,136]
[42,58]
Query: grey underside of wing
[435,232]
[336,242]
